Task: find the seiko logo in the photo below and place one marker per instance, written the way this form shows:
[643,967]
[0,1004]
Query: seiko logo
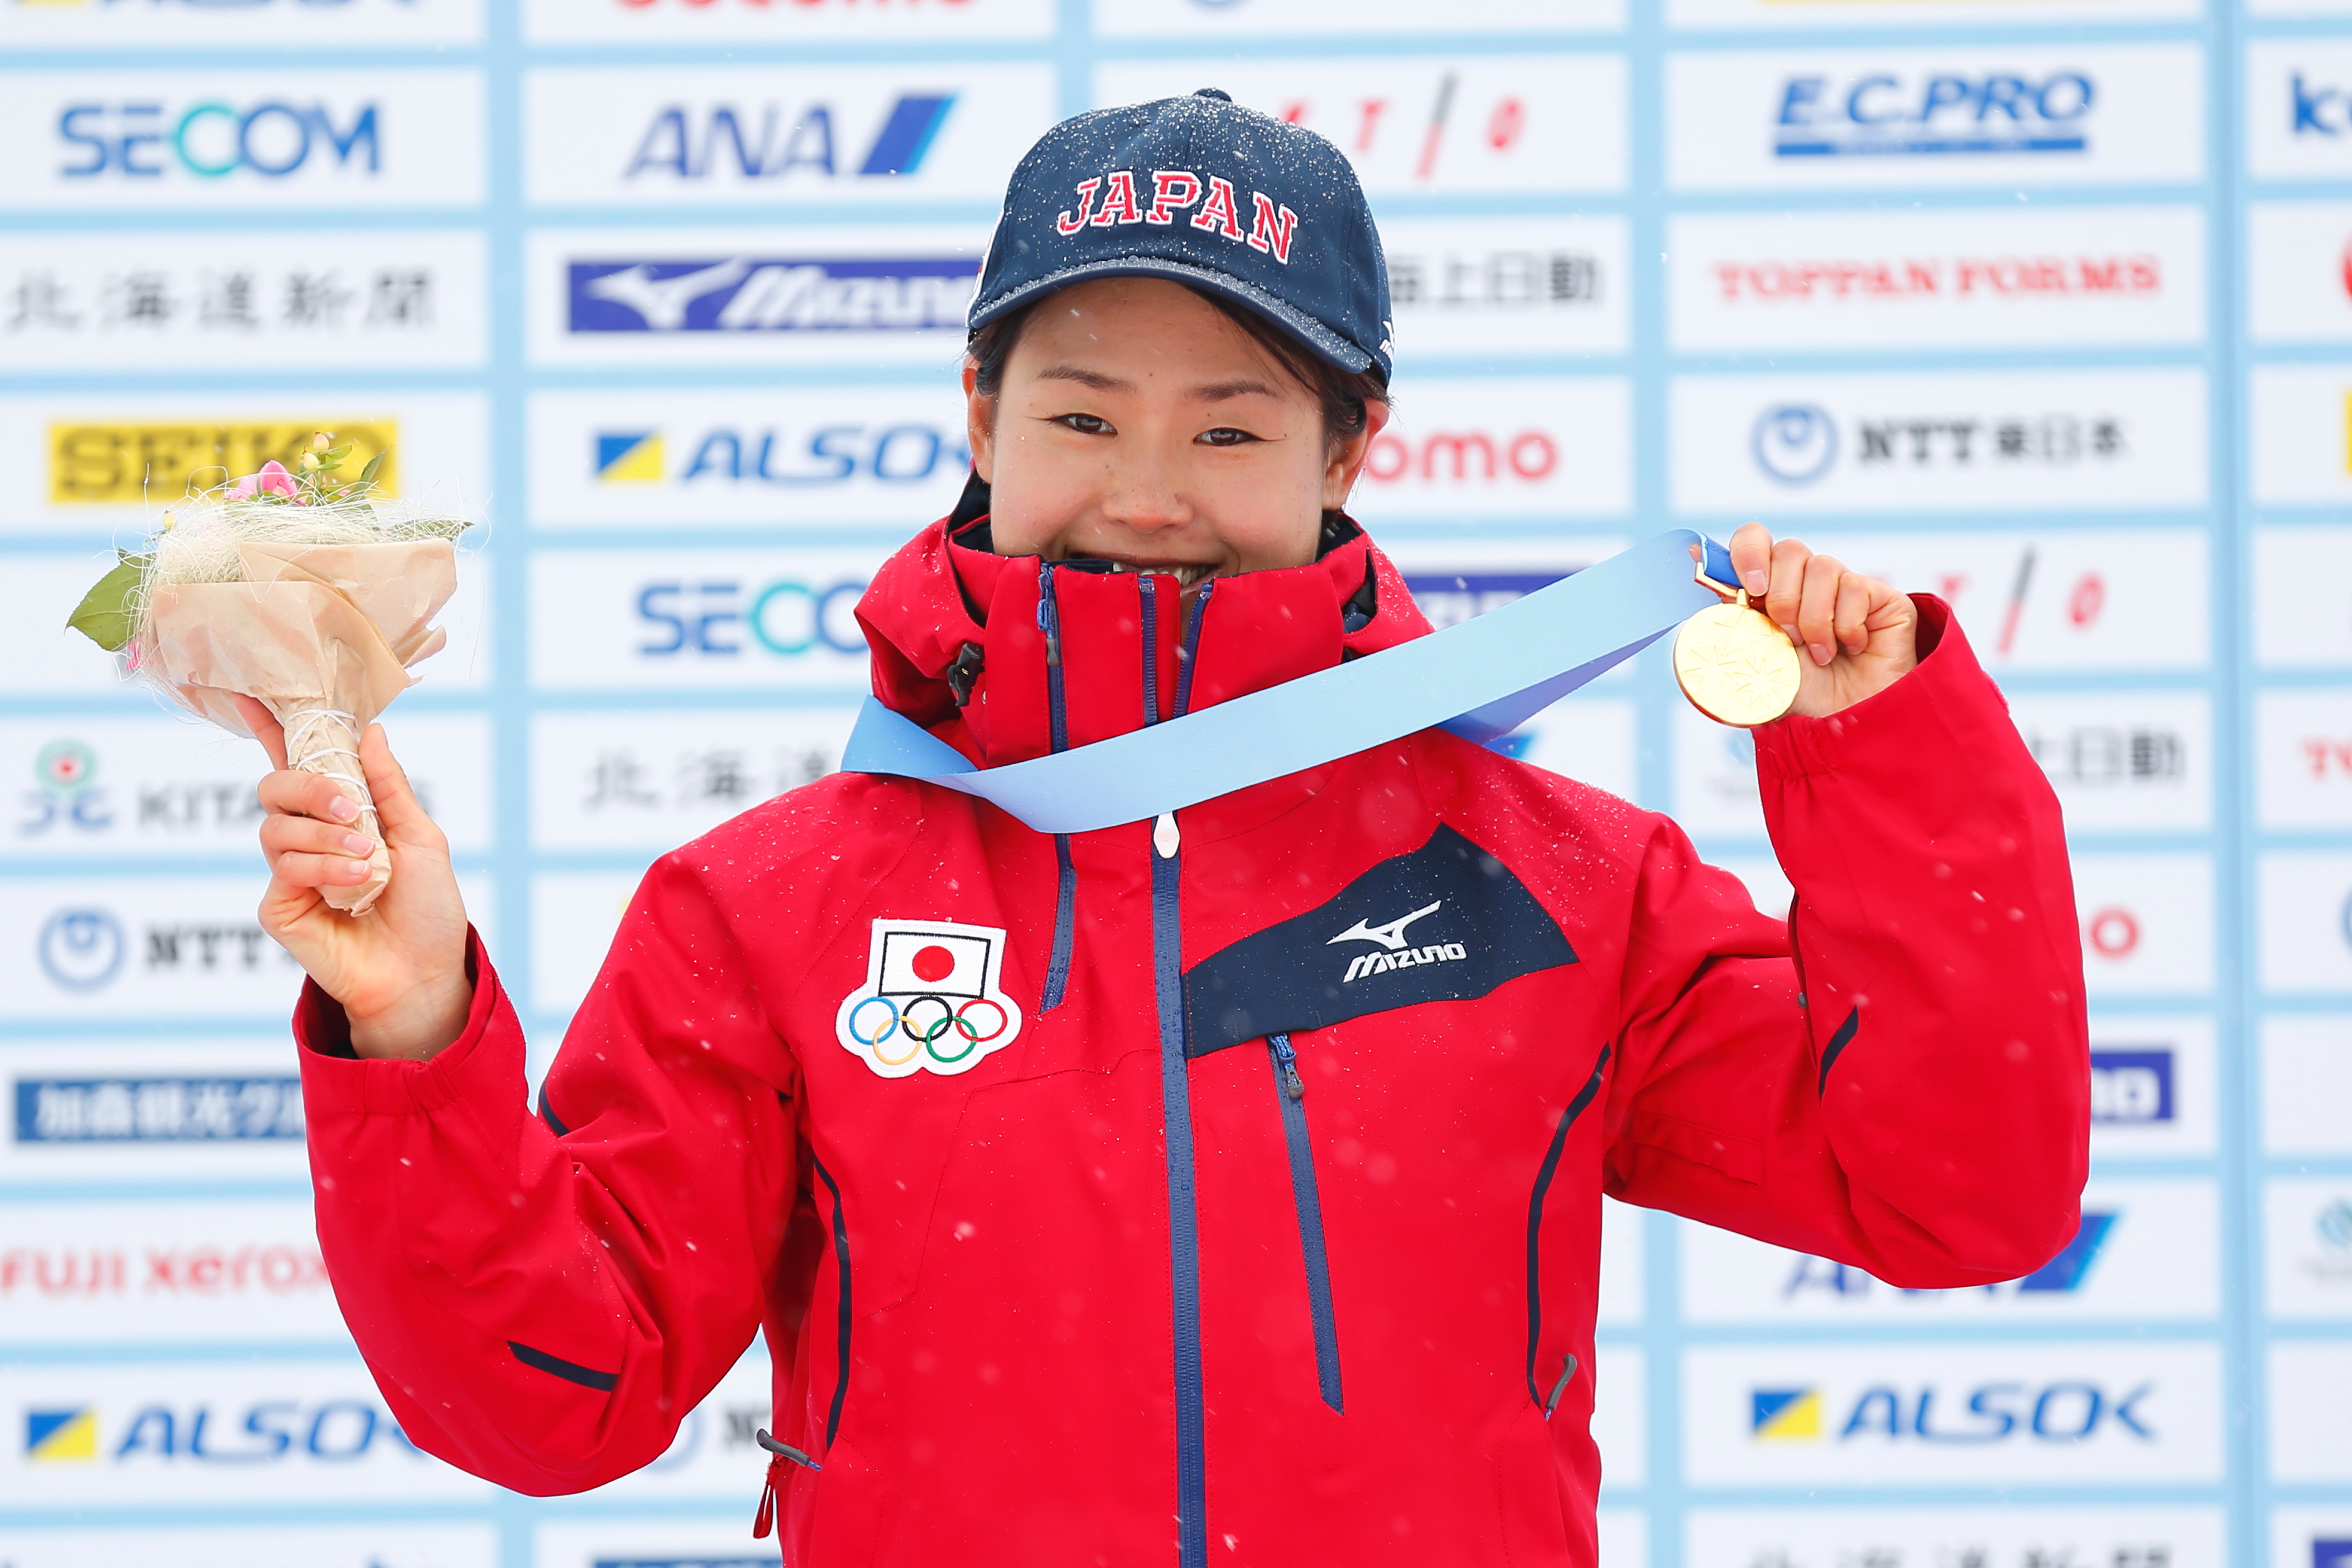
[1397,954]
[1272,227]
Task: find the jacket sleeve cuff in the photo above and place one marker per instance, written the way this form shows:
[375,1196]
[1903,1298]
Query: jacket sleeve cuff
[1946,674]
[336,1079]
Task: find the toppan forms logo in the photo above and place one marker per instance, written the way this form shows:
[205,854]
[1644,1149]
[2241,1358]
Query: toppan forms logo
[931,1000]
[1880,115]
[2066,1411]
[773,294]
[1396,953]
[670,143]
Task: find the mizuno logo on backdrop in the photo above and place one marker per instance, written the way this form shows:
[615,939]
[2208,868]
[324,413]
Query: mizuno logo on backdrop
[774,294]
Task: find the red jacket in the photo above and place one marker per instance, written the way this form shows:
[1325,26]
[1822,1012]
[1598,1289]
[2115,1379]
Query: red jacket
[1105,1197]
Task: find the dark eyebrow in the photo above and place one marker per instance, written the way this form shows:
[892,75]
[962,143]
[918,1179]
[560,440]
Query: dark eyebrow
[1088,378]
[1217,391]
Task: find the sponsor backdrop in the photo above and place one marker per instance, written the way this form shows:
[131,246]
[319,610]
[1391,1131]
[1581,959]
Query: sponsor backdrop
[2041,305]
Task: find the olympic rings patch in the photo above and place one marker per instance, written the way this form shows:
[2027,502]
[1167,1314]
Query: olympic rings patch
[932,999]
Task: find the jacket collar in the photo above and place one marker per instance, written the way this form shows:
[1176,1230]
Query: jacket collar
[1009,658]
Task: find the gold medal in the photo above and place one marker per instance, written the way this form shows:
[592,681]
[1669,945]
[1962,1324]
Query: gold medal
[1734,664]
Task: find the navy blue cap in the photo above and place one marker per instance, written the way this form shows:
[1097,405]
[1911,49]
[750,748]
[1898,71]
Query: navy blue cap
[1204,191]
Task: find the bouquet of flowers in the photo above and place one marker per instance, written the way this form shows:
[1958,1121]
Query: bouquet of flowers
[309,593]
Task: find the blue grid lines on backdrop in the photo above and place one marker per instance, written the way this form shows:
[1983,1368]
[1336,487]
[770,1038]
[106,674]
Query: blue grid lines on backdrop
[2045,306]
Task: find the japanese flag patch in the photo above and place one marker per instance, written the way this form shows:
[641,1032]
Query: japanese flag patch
[931,999]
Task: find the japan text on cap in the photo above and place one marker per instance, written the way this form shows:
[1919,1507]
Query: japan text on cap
[1203,192]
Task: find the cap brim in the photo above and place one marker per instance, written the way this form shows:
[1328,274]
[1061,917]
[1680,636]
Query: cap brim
[1328,346]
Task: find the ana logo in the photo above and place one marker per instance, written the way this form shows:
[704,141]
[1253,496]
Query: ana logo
[2064,1273]
[1272,228]
[1795,443]
[807,146]
[629,457]
[1880,115]
[1784,1415]
[80,950]
[931,999]
[61,1436]
[892,294]
[1391,937]
[2331,1552]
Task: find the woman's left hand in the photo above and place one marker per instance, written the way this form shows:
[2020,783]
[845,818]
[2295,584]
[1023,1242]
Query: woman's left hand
[1856,636]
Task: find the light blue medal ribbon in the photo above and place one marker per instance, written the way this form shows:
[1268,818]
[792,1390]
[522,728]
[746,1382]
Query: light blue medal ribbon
[1480,679]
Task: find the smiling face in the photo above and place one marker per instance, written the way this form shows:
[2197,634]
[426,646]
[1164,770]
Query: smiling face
[1138,424]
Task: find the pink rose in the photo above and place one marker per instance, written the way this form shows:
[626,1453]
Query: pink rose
[273,479]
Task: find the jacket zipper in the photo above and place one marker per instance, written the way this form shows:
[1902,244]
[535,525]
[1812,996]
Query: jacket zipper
[1176,1111]
[842,1315]
[1535,1227]
[1066,888]
[1290,1094]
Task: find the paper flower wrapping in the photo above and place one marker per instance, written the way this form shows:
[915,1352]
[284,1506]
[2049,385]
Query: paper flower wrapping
[311,597]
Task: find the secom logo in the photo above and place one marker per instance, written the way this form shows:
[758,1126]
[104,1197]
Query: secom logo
[215,139]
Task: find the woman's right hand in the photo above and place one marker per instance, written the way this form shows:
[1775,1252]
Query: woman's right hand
[400,969]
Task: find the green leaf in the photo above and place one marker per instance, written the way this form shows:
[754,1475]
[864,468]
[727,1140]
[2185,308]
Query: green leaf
[104,614]
[335,454]
[367,475]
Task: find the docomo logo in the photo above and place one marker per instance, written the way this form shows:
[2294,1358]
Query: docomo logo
[280,1270]
[1272,228]
[1447,456]
[1960,277]
[213,139]
[932,1001]
[2111,933]
[787,618]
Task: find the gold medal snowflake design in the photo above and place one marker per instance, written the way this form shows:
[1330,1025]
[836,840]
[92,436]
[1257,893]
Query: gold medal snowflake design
[1736,666]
